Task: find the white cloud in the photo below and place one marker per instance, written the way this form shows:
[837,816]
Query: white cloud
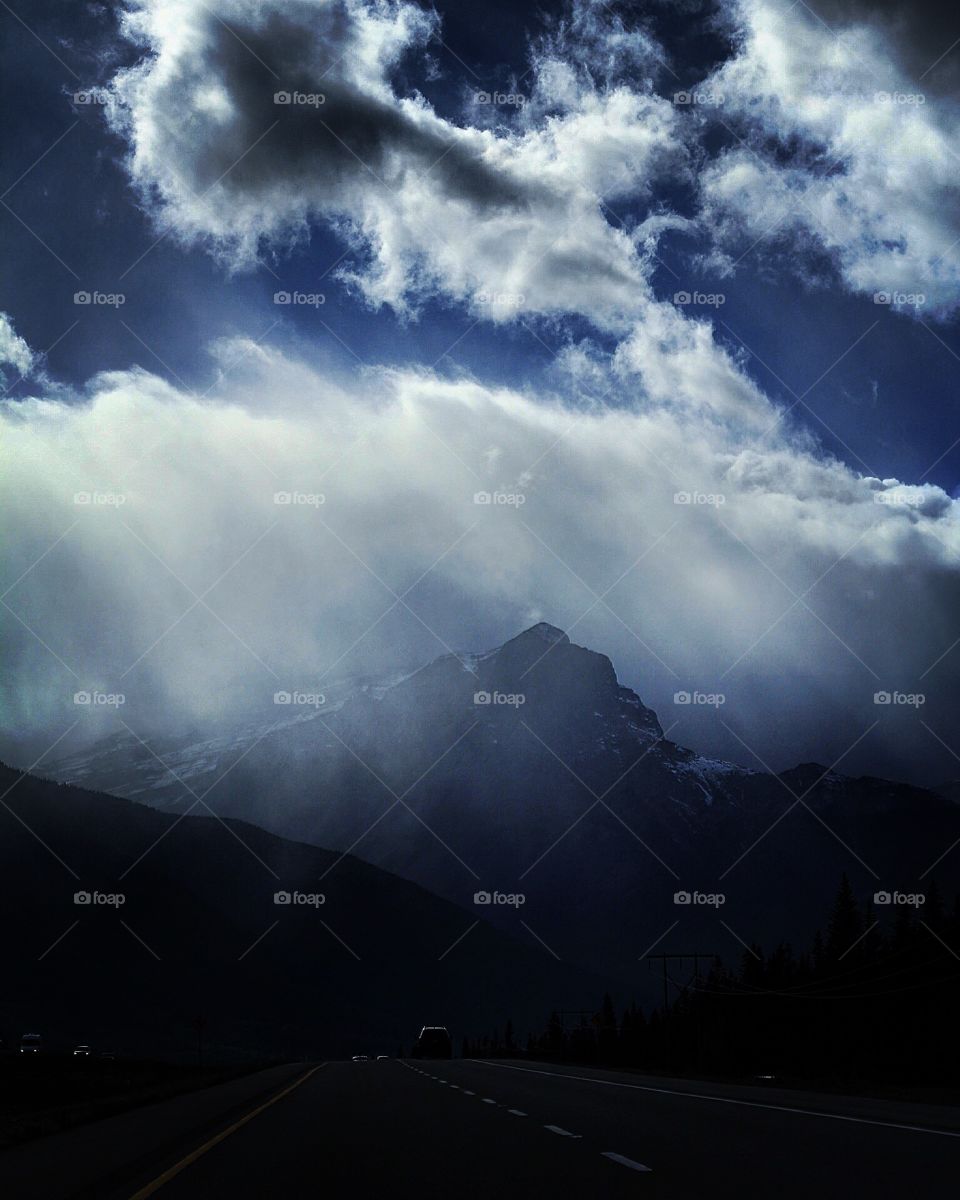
[398,457]
[14,351]
[507,221]
[840,153]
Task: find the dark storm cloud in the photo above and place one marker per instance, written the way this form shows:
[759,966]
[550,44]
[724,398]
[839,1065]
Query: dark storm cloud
[347,135]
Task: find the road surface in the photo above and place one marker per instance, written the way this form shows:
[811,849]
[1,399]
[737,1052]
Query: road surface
[495,1129]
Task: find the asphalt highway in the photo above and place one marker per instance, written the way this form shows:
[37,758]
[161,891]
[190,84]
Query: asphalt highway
[478,1129]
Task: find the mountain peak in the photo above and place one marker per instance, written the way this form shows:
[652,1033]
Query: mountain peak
[545,632]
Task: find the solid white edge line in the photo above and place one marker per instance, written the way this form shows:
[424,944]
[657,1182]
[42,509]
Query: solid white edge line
[623,1161]
[804,1112]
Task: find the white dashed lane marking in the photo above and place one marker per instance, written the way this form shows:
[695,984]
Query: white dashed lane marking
[562,1132]
[624,1161]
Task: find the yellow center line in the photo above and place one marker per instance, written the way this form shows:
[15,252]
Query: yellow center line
[192,1157]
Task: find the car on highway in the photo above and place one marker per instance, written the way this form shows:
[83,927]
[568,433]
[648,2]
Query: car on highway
[31,1043]
[383,1058]
[361,1058]
[434,1042]
[82,1050]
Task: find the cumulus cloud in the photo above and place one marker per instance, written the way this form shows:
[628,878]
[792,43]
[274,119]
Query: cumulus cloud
[505,220]
[837,154]
[729,528]
[14,351]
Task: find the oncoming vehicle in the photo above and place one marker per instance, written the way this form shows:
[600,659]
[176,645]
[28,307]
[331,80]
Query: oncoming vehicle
[82,1051]
[31,1043]
[433,1042]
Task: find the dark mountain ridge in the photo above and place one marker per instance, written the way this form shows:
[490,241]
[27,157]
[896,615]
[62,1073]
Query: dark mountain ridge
[198,933]
[530,769]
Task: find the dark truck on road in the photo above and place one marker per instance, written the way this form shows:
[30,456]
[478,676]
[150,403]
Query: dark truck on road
[433,1042]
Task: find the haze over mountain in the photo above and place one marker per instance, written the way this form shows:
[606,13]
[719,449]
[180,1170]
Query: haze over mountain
[528,769]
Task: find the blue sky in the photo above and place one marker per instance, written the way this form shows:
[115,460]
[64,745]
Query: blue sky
[887,405]
[841,131]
